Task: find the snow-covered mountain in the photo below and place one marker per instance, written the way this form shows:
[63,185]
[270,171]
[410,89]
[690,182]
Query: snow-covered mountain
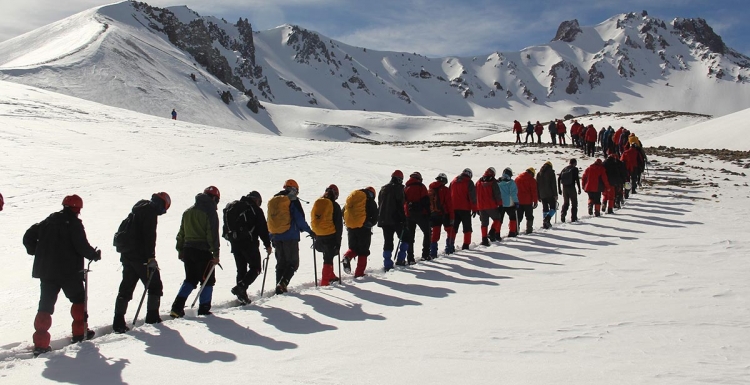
[151,60]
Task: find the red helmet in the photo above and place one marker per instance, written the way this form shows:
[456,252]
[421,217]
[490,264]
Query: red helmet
[398,174]
[212,191]
[416,175]
[333,189]
[372,190]
[167,200]
[74,202]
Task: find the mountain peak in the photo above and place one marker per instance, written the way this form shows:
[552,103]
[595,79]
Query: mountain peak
[699,30]
[567,31]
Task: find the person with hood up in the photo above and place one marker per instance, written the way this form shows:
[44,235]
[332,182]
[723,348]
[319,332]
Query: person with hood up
[528,198]
[517,129]
[561,131]
[392,218]
[328,226]
[591,136]
[488,202]
[594,183]
[286,220]
[509,198]
[441,211]
[575,132]
[360,215]
[529,133]
[566,185]
[198,248]
[417,207]
[464,201]
[546,181]
[139,261]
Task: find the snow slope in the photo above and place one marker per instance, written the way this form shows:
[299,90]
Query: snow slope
[725,132]
[655,294]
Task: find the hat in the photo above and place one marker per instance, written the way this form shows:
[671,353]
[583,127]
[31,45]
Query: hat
[416,175]
[467,172]
[531,170]
[397,174]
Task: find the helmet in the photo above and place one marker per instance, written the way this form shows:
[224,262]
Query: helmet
[333,189]
[490,172]
[531,170]
[467,172]
[398,174]
[508,171]
[548,163]
[212,191]
[254,195]
[442,177]
[372,190]
[74,202]
[164,197]
[416,175]
[291,183]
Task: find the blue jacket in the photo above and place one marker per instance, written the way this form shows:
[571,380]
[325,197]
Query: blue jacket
[508,190]
[298,225]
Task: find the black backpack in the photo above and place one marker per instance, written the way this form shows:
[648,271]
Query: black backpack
[566,176]
[124,240]
[235,218]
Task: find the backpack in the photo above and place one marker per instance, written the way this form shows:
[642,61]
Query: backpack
[436,207]
[31,239]
[322,217]
[566,176]
[279,214]
[124,240]
[355,212]
[235,215]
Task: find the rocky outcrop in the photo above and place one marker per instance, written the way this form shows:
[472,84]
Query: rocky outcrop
[567,74]
[567,31]
[309,47]
[699,31]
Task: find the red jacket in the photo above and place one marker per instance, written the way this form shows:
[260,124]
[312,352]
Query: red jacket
[463,193]
[595,178]
[618,133]
[575,129]
[415,194]
[517,127]
[440,199]
[591,134]
[488,194]
[561,129]
[630,158]
[527,192]
[538,129]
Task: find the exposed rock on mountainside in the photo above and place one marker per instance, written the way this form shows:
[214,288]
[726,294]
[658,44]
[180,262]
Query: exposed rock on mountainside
[567,31]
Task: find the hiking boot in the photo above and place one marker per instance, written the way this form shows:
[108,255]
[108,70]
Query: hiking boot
[591,210]
[39,351]
[178,307]
[153,317]
[346,262]
[610,211]
[204,309]
[89,335]
[410,260]
[281,287]
[241,293]
[118,325]
[562,218]
[401,263]
[529,231]
[513,234]
[465,246]
[485,241]
[492,235]
[426,258]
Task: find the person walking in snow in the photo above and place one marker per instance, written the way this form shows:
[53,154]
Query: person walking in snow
[488,202]
[528,198]
[633,161]
[360,215]
[391,217]
[561,131]
[616,175]
[286,220]
[552,129]
[595,182]
[417,207]
[591,136]
[441,211]
[328,226]
[509,198]
[139,260]
[546,181]
[247,229]
[464,200]
[59,246]
[575,132]
[174,114]
[566,185]
[529,133]
[198,248]
[517,129]
[538,130]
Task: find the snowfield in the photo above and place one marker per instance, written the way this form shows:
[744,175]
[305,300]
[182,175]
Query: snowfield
[655,294]
[725,132]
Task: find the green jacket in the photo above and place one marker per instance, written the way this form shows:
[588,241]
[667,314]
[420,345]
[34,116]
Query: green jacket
[200,226]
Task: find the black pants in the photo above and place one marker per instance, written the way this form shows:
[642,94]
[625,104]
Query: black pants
[388,235]
[528,212]
[595,198]
[554,137]
[561,139]
[511,211]
[590,148]
[359,240]
[330,246]
[410,234]
[549,204]
[248,261]
[197,266]
[50,288]
[287,259]
[570,199]
[530,134]
[486,215]
[538,138]
[134,271]
[463,218]
[635,177]
[518,137]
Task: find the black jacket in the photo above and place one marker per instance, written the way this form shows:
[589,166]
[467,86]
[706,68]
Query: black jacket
[371,210]
[61,247]
[253,218]
[391,204]
[546,183]
[144,222]
[615,171]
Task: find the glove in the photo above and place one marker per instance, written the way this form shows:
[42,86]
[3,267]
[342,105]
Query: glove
[536,204]
[473,214]
[180,256]
[311,235]
[97,255]
[215,260]
[152,265]
[268,250]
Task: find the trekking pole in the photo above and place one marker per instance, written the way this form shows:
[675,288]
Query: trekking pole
[86,300]
[265,270]
[315,263]
[557,208]
[398,245]
[339,255]
[203,284]
[151,274]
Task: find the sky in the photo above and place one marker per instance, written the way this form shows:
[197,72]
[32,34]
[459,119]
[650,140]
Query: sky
[435,28]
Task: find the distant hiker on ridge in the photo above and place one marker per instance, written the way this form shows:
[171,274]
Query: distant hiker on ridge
[174,114]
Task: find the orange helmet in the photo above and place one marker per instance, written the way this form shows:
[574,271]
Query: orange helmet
[291,183]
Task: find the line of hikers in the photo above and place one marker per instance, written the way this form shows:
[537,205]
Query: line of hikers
[582,136]
[59,242]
